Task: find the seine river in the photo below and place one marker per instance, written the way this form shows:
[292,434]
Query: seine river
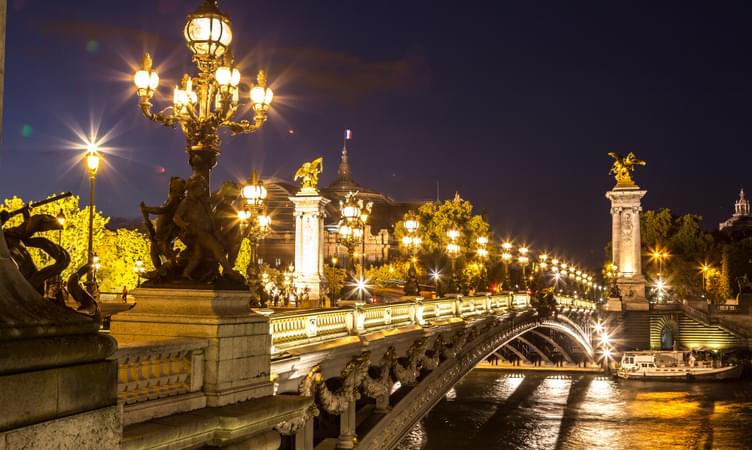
[491,409]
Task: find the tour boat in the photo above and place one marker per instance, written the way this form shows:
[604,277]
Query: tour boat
[671,366]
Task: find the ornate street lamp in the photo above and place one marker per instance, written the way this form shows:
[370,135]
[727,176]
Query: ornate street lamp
[139,270]
[206,102]
[506,259]
[202,104]
[411,241]
[256,224]
[453,251]
[351,231]
[523,260]
[92,159]
[481,252]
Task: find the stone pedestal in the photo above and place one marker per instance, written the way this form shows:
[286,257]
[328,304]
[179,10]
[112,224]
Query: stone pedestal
[309,243]
[57,387]
[237,364]
[625,242]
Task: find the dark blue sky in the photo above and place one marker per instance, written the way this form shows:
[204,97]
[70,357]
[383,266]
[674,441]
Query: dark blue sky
[513,104]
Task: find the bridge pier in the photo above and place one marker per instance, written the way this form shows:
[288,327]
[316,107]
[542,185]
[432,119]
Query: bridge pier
[304,437]
[347,424]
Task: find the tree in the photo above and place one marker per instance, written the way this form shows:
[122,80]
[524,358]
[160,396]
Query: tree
[335,278]
[436,218]
[685,241]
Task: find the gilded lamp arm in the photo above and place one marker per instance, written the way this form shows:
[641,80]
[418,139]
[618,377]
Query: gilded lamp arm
[163,117]
[245,126]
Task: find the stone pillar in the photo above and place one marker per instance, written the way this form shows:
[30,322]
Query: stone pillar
[309,243]
[304,436]
[347,425]
[238,359]
[625,242]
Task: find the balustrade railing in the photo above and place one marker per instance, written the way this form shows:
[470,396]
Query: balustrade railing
[291,329]
[152,371]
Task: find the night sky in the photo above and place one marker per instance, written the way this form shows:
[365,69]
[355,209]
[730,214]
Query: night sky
[513,104]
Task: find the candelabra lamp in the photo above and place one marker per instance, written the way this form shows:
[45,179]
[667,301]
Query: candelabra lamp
[411,241]
[202,103]
[256,224]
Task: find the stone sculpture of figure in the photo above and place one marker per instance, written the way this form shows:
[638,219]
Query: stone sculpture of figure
[309,172]
[195,220]
[226,218]
[623,168]
[22,236]
[164,234]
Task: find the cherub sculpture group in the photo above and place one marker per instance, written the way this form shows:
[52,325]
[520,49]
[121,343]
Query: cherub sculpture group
[208,228]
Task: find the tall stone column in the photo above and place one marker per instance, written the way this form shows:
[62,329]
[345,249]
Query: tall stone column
[309,243]
[625,242]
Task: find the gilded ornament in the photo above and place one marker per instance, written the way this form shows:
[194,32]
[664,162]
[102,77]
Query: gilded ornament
[623,168]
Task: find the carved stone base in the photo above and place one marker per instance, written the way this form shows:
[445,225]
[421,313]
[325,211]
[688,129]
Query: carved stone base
[632,290]
[238,357]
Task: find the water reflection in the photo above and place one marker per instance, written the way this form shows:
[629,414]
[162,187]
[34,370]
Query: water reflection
[497,410]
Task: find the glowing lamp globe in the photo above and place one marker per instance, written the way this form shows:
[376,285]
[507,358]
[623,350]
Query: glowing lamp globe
[146,81]
[223,76]
[92,162]
[411,225]
[207,31]
[264,222]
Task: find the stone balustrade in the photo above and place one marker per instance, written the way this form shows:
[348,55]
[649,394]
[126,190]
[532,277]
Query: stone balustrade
[292,329]
[160,378]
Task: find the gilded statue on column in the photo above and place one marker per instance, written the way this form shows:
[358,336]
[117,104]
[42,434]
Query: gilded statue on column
[308,174]
[623,168]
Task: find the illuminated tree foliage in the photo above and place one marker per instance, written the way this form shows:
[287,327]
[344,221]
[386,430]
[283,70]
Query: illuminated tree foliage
[436,218]
[118,250]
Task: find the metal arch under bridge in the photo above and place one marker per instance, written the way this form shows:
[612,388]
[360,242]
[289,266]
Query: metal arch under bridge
[426,346]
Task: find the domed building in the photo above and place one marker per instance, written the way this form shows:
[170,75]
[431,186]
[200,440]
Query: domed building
[739,225]
[278,248]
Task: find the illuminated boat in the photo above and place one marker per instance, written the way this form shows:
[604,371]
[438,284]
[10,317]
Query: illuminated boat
[671,366]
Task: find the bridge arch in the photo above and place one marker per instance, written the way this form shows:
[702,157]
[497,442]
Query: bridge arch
[424,395]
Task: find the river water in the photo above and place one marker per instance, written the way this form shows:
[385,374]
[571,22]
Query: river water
[493,409]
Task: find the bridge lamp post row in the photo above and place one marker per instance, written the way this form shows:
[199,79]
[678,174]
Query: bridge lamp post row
[412,242]
[255,225]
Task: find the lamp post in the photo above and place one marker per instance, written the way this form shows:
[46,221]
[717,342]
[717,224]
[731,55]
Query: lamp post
[202,104]
[256,224]
[351,232]
[704,269]
[658,254]
[411,241]
[139,270]
[506,258]
[523,261]
[481,252]
[453,251]
[93,160]
[542,267]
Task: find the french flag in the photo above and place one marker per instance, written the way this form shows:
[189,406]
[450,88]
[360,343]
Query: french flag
[348,135]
